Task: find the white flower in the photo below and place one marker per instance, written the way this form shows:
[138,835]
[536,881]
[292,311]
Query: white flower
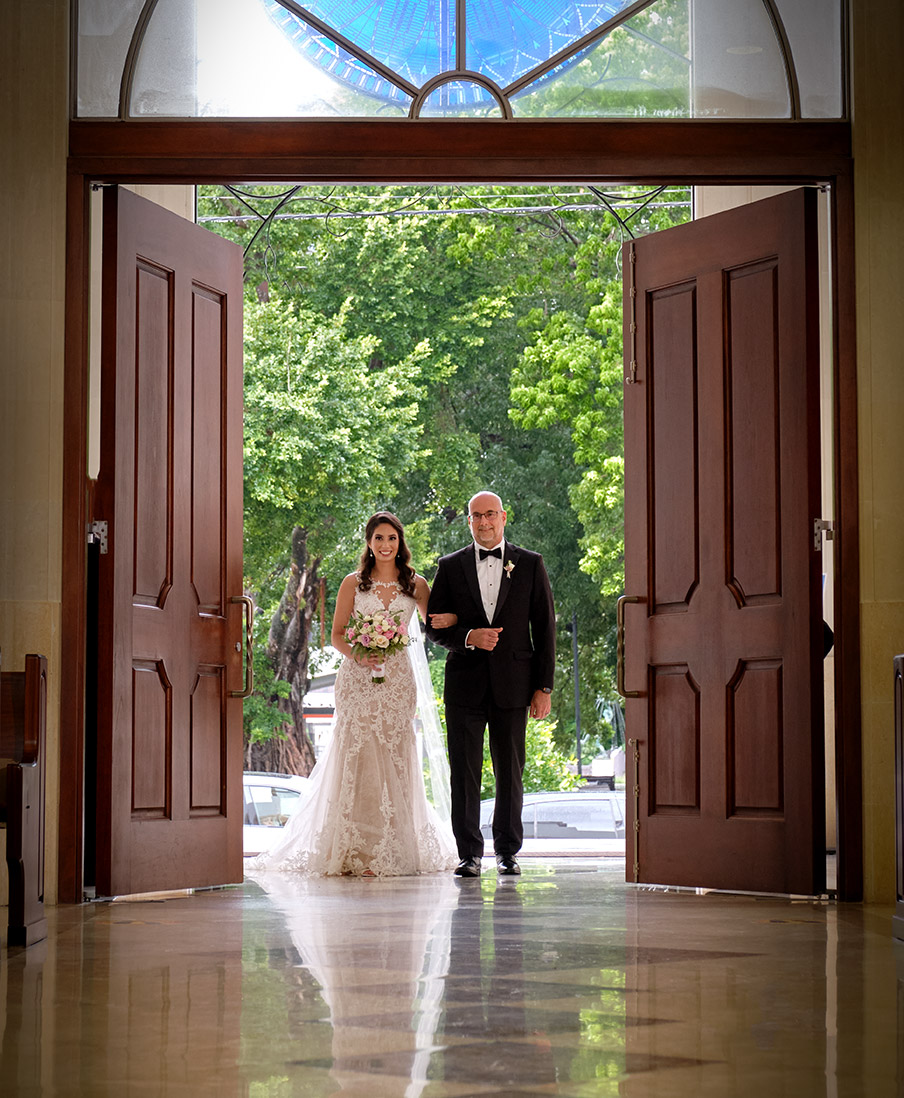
[509,568]
[381,642]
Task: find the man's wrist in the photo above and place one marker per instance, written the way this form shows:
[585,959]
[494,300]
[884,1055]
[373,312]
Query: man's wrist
[545,689]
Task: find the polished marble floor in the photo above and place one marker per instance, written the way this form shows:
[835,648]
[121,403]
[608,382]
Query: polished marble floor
[562,982]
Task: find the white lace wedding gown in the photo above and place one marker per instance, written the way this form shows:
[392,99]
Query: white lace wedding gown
[367,811]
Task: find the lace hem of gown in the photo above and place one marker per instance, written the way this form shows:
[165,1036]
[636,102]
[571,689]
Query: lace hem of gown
[367,811]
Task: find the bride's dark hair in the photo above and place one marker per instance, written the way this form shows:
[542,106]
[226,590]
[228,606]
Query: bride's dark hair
[407,574]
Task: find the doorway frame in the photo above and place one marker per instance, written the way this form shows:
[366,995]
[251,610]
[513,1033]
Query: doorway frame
[355,151]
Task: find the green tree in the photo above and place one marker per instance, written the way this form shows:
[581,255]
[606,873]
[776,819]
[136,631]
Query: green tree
[327,432]
[571,376]
[506,330]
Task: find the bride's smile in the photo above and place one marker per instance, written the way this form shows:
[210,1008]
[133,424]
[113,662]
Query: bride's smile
[384,544]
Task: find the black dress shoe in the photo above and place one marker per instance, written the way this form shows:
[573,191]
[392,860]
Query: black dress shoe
[505,863]
[468,867]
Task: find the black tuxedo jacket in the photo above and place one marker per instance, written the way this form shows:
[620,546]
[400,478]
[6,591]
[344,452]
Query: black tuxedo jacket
[524,659]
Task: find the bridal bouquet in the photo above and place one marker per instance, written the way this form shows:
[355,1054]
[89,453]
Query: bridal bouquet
[380,632]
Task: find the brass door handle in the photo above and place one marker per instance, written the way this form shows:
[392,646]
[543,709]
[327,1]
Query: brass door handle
[248,606]
[620,646]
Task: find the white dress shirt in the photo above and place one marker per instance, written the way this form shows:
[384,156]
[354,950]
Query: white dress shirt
[489,576]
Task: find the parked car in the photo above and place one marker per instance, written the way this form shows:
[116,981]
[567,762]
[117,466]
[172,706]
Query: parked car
[572,814]
[270,799]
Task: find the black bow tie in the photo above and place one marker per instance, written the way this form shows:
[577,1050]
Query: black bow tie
[484,553]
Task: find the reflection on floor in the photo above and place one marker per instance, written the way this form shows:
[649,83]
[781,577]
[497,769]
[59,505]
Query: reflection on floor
[562,982]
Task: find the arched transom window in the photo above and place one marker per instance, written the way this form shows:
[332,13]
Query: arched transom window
[459,58]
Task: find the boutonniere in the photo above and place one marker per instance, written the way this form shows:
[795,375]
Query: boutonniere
[509,568]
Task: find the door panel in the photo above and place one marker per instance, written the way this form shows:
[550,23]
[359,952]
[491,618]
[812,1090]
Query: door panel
[722,485]
[170,487]
[674,473]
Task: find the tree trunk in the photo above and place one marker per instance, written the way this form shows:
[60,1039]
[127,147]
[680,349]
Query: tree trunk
[288,652]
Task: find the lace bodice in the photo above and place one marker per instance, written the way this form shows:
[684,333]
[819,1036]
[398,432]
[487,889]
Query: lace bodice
[385,596]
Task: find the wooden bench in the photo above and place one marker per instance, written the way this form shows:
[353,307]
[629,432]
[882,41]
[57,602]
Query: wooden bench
[23,716]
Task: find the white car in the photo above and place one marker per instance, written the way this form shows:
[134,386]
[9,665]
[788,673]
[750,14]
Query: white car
[571,814]
[270,799]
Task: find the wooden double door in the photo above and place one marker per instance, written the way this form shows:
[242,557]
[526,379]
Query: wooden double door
[722,645]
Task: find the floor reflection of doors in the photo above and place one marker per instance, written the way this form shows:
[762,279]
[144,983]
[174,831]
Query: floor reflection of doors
[712,985]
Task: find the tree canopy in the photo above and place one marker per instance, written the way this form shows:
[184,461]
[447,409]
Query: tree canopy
[439,342]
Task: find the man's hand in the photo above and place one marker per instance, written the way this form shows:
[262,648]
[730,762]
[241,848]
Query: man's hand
[487,639]
[540,705]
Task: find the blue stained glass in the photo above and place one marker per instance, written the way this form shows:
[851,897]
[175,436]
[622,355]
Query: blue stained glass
[506,40]
[416,39]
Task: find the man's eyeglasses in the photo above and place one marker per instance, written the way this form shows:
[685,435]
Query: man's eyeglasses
[490,516]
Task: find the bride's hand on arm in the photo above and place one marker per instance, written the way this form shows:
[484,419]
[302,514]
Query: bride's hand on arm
[422,595]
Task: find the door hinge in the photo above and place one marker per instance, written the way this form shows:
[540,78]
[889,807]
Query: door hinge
[97,533]
[820,527]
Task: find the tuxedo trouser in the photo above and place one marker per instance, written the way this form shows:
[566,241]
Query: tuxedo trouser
[465,726]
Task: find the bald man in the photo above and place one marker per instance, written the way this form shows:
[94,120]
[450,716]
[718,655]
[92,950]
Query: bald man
[499,669]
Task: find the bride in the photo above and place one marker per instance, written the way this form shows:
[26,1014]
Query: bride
[367,813]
